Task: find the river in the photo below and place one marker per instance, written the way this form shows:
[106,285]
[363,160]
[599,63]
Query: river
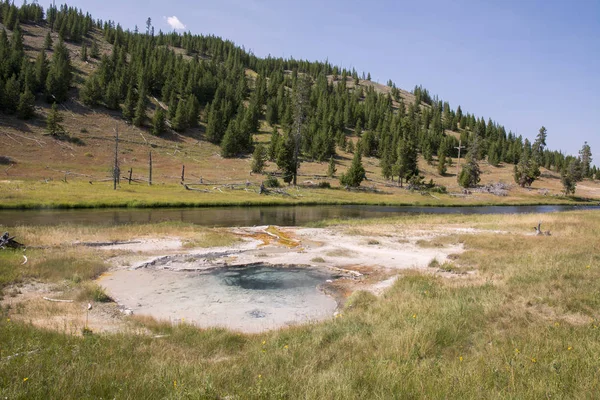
[249,216]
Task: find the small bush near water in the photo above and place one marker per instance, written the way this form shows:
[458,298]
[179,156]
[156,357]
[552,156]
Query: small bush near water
[272,182]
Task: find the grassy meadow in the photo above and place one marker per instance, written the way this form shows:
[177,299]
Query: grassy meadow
[80,194]
[524,325]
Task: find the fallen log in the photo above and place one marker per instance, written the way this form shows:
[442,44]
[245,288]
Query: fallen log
[188,187]
[7,241]
[57,300]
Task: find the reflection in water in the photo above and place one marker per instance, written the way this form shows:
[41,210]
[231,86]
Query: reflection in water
[249,216]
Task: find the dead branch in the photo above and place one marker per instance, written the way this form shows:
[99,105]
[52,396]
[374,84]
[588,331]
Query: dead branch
[37,141]
[539,232]
[7,241]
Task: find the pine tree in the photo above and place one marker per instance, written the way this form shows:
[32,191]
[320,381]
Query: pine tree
[585,154]
[112,96]
[159,122]
[214,126]
[53,126]
[95,50]
[355,174]
[285,158]
[192,111]
[129,104]
[273,144]
[539,145]
[12,94]
[387,162]
[140,109]
[331,169]
[568,178]
[26,107]
[229,144]
[48,42]
[350,148]
[84,53]
[180,122]
[40,69]
[441,166]
[470,174]
[406,161]
[259,158]
[526,172]
[59,75]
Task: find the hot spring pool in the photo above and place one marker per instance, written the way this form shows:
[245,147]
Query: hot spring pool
[247,298]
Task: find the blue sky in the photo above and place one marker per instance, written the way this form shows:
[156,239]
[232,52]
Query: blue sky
[523,63]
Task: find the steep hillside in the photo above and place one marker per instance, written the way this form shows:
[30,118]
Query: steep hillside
[86,152]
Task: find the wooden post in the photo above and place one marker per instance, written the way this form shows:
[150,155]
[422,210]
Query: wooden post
[116,166]
[150,177]
[460,146]
[183,173]
[130,173]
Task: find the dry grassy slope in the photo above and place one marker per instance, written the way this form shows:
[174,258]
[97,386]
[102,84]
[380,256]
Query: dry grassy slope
[42,157]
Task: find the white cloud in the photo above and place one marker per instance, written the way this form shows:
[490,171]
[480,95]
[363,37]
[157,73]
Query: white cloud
[175,23]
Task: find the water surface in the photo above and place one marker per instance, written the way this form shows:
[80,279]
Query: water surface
[249,216]
[248,298]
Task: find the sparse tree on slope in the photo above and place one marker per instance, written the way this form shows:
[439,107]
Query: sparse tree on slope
[53,126]
[259,158]
[159,122]
[355,174]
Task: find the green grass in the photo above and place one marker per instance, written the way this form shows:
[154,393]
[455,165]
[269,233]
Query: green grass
[78,194]
[525,326]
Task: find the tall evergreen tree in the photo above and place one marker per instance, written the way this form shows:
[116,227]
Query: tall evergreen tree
[259,157]
[569,178]
[539,145]
[285,158]
[526,172]
[273,145]
[12,90]
[59,75]
[180,122]
[53,122]
[26,107]
[470,174]
[84,53]
[331,169]
[129,104]
[40,68]
[159,120]
[355,174]
[585,154]
[406,164]
[95,50]
[140,109]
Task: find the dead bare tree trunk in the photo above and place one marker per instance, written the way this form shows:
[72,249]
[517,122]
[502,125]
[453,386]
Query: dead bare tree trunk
[150,176]
[183,173]
[130,173]
[116,172]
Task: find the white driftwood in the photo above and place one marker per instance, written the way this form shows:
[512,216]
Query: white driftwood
[57,300]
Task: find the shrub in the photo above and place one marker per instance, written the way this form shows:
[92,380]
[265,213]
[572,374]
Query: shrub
[272,182]
[5,160]
[439,189]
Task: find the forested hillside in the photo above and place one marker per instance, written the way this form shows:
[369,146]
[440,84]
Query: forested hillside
[209,88]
